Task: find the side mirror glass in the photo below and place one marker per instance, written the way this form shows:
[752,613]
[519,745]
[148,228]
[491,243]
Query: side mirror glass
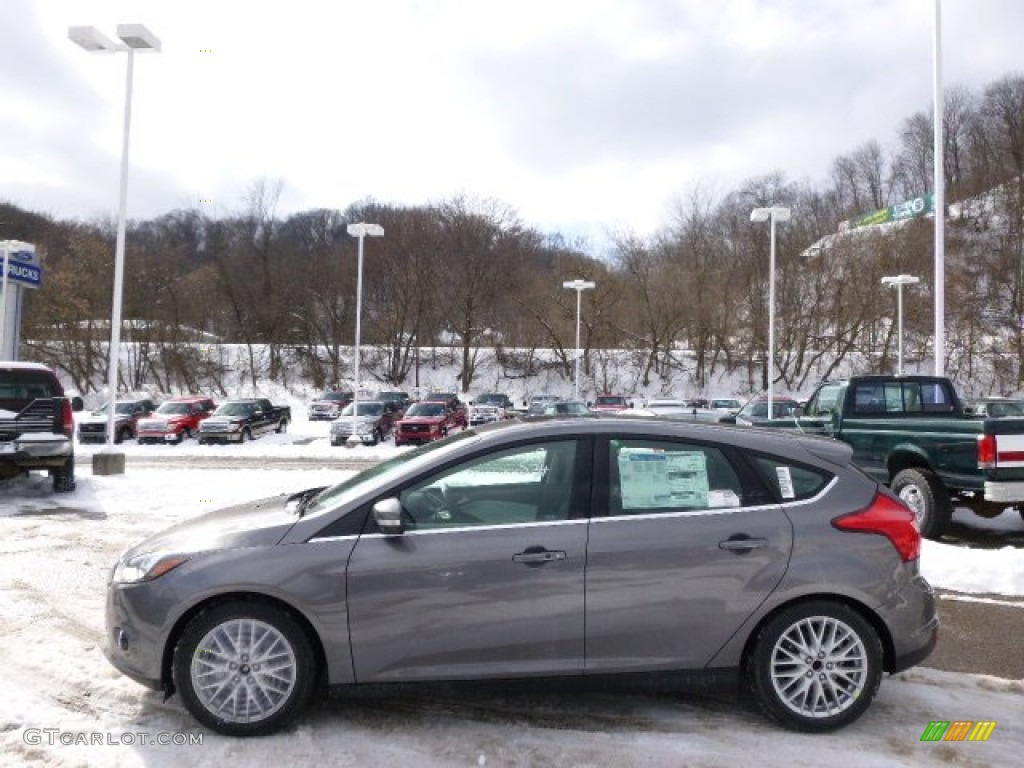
[76,403]
[387,514]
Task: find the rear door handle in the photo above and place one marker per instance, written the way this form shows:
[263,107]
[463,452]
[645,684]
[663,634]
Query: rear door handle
[742,544]
[534,556]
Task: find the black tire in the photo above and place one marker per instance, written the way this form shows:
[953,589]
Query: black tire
[64,477]
[246,435]
[335,443]
[842,667]
[922,491]
[121,435]
[255,632]
[185,434]
[282,426]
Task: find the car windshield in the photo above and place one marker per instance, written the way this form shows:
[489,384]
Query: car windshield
[370,480]
[365,409]
[1011,408]
[425,409]
[336,396]
[119,408]
[174,409]
[235,409]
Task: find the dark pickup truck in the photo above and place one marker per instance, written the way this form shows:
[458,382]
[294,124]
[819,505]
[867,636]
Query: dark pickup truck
[236,421]
[36,424]
[911,433]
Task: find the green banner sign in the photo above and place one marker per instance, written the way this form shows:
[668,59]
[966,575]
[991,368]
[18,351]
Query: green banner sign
[919,206]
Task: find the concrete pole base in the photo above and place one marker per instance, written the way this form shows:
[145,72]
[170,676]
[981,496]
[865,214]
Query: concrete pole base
[108,463]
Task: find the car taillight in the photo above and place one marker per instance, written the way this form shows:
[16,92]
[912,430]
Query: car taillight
[986,451]
[67,418]
[890,518]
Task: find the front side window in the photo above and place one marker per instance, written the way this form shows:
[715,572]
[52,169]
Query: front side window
[651,476]
[525,484]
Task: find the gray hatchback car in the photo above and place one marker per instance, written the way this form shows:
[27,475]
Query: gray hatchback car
[567,548]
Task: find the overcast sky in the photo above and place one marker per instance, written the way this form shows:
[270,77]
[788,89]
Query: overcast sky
[582,115]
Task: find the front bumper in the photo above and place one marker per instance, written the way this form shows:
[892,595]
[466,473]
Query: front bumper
[221,437]
[130,643]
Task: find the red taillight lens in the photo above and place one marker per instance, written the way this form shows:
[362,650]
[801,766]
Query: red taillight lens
[986,451]
[68,418]
[890,518]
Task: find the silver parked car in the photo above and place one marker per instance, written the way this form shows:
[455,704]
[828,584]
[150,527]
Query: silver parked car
[565,548]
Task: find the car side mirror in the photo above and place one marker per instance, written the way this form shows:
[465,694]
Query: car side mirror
[77,403]
[387,514]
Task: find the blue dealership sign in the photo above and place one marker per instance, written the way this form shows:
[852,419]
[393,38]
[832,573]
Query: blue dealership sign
[21,272]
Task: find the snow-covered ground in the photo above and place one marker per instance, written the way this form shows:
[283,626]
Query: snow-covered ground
[59,696]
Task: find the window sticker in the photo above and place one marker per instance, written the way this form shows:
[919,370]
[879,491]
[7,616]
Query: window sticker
[785,482]
[651,478]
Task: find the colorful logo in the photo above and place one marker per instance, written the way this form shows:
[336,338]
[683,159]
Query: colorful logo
[958,730]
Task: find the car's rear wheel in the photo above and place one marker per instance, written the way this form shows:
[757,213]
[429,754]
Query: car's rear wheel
[816,666]
[244,669]
[922,491]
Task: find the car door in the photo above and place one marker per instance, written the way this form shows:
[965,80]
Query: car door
[487,578]
[690,546]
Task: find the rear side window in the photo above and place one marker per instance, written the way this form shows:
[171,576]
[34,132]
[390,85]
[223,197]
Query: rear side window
[908,397]
[652,476]
[792,482]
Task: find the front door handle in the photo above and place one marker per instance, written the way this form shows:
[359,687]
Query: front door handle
[741,544]
[534,556]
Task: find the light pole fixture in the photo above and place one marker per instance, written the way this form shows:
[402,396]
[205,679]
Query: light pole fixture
[899,281]
[579,286]
[939,181]
[359,231]
[134,37]
[772,214]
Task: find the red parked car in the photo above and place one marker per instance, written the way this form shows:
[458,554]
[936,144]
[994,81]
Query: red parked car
[174,420]
[424,422]
[610,404]
[459,416]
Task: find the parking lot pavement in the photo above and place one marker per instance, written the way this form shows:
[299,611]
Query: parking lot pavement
[979,634]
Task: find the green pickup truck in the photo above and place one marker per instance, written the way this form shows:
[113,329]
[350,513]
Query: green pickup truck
[911,433]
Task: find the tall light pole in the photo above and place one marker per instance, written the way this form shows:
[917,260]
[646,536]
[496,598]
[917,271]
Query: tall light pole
[579,286]
[772,214]
[359,231]
[899,281]
[134,37]
[938,181]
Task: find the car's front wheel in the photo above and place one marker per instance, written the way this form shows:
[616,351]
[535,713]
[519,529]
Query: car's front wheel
[816,666]
[244,668]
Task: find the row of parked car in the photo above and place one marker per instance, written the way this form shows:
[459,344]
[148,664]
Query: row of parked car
[181,418]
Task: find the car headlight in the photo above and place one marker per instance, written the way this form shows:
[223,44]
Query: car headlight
[146,567]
